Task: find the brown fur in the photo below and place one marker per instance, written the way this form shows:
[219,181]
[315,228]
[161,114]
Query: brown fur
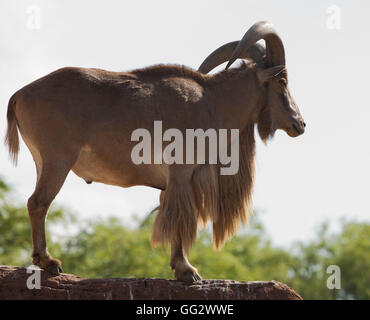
[176,219]
[163,70]
[235,191]
[160,71]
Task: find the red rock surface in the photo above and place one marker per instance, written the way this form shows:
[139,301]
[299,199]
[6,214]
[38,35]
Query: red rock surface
[68,286]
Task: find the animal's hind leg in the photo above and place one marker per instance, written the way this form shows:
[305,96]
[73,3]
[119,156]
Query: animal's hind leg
[51,176]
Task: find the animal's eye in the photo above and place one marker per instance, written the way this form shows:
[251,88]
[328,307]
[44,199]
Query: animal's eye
[282,82]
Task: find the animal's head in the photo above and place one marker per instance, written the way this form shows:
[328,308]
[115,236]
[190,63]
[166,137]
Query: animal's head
[279,110]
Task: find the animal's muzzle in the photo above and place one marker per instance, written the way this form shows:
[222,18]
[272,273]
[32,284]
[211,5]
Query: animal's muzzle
[299,127]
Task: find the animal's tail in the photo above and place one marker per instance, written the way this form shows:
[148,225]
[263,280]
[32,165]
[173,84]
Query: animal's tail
[12,138]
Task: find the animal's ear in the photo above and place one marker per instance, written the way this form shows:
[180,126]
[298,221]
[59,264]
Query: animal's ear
[265,74]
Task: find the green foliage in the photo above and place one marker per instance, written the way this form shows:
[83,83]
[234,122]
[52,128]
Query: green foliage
[351,251]
[107,248]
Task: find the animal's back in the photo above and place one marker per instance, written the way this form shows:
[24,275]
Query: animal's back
[78,91]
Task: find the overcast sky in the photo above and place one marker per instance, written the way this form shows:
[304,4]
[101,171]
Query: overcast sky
[322,175]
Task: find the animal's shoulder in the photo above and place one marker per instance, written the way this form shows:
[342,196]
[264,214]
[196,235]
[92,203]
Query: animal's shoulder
[161,71]
[185,83]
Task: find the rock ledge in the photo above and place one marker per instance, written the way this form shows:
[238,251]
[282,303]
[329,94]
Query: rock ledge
[13,285]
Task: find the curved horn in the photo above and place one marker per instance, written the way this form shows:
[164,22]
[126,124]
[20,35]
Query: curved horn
[261,30]
[223,53]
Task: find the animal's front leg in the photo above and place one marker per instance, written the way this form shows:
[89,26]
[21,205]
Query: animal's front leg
[176,222]
[180,265]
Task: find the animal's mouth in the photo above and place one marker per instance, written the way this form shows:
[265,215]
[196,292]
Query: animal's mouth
[295,130]
[298,129]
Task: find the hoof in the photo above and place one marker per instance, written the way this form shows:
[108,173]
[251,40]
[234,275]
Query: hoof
[54,267]
[189,277]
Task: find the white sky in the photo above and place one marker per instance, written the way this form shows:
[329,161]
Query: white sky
[322,175]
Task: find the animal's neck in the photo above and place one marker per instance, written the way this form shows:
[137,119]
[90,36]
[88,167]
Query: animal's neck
[238,98]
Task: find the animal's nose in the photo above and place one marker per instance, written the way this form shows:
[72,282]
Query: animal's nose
[304,124]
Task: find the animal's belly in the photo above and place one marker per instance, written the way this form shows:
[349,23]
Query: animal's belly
[116,169]
[93,167]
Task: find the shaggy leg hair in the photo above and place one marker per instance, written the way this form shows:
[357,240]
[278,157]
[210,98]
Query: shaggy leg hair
[223,199]
[177,217]
[205,186]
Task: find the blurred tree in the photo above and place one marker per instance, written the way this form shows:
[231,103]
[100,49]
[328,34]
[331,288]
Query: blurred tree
[308,270]
[107,248]
[348,249]
[351,251]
